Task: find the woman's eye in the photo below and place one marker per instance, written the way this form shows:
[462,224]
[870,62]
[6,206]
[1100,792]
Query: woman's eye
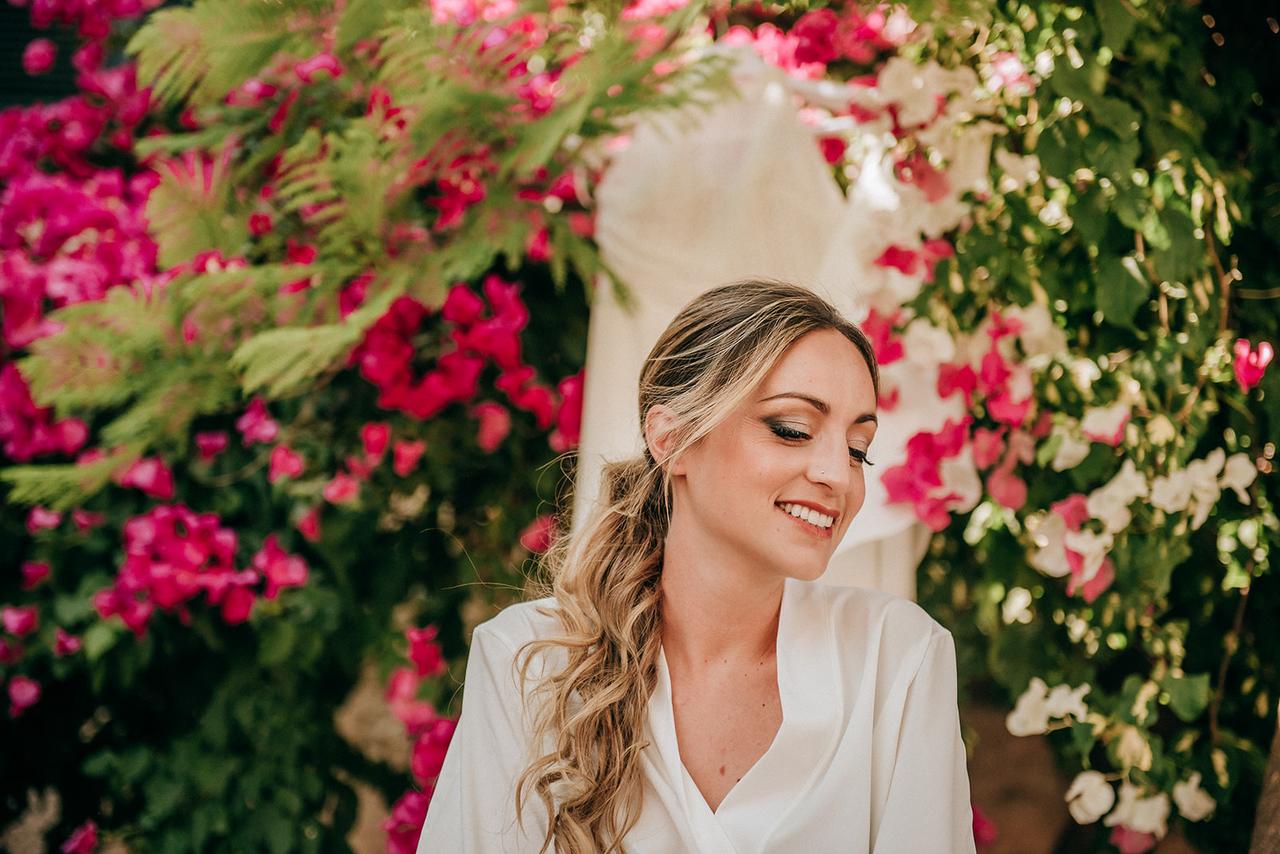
[785,432]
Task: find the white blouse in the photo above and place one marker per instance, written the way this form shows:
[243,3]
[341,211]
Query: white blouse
[868,757]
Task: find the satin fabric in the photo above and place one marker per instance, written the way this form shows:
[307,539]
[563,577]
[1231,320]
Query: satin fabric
[868,757]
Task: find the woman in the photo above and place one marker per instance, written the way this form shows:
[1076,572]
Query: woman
[686,686]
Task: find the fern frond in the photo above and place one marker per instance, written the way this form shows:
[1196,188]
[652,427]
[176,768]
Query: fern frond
[63,487]
[92,361]
[281,360]
[193,208]
[169,403]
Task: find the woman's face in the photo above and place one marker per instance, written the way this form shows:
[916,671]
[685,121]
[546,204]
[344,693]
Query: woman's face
[795,446]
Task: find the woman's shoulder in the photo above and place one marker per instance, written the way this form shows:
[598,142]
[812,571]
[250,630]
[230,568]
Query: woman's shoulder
[519,623]
[863,618]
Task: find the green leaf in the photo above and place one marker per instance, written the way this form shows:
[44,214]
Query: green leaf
[99,638]
[277,642]
[1188,695]
[1184,255]
[1117,23]
[1121,290]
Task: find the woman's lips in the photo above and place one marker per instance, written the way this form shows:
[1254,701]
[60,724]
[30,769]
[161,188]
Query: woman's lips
[810,528]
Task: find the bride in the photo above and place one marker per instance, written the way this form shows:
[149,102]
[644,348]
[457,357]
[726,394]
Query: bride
[687,684]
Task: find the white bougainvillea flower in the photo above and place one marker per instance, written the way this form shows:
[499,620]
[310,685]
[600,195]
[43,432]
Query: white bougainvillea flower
[1171,492]
[1030,715]
[1064,700]
[1039,335]
[1145,815]
[1089,797]
[1106,424]
[1160,430]
[1092,548]
[1071,450]
[960,476]
[1050,556]
[1110,503]
[912,87]
[927,346]
[1238,474]
[1193,802]
[1203,474]
[1018,171]
[1133,750]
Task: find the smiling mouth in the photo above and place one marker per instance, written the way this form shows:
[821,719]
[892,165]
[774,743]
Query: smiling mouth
[813,530]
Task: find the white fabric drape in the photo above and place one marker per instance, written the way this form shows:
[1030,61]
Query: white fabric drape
[742,191]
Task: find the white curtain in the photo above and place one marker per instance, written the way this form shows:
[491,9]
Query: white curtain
[702,199]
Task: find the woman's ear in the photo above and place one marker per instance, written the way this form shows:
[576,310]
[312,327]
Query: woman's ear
[659,432]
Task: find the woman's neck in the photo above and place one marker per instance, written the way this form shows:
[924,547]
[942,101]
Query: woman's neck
[713,610]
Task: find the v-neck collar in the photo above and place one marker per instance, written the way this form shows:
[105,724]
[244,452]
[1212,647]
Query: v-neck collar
[811,699]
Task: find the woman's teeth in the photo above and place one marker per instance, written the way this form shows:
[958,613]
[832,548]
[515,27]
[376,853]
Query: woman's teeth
[813,517]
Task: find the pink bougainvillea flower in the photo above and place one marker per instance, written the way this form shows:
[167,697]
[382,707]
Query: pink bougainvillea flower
[33,573]
[342,489]
[886,343]
[84,839]
[285,462]
[151,476]
[538,535]
[1074,510]
[918,171]
[210,444]
[309,525]
[1008,73]
[311,69]
[256,425]
[404,825]
[430,749]
[988,446]
[406,454]
[905,261]
[425,653]
[38,56]
[375,436]
[953,378]
[495,425]
[65,644]
[984,829]
[359,467]
[569,416]
[815,35]
[1251,364]
[86,520]
[42,519]
[259,224]
[20,621]
[1130,841]
[23,694]
[1094,587]
[1007,488]
[280,568]
[237,604]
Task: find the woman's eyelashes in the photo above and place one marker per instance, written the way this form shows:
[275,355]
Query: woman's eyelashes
[783,431]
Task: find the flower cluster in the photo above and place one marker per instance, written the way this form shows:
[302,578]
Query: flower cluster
[173,554]
[481,331]
[430,732]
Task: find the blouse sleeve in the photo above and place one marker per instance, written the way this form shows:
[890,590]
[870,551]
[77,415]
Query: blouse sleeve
[928,808]
[472,809]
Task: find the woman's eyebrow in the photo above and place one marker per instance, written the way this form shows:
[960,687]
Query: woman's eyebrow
[820,405]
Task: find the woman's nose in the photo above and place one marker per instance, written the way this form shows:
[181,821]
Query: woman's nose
[830,465]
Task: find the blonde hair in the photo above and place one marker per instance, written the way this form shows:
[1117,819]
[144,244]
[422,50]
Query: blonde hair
[604,577]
